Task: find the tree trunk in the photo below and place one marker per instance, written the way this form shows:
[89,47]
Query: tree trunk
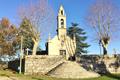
[104,50]
[105,47]
[35,47]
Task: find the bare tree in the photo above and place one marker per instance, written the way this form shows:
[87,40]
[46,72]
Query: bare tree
[39,14]
[104,19]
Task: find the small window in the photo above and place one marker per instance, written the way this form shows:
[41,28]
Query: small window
[62,23]
[62,52]
[62,12]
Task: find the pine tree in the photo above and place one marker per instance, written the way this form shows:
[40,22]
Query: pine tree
[79,33]
[27,35]
[27,40]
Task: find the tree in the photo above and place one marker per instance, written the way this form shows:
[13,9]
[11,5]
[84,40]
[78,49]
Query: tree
[39,15]
[8,39]
[80,38]
[104,19]
[27,40]
[5,22]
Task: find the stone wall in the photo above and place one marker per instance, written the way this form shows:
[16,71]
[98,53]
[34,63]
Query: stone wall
[112,65]
[41,64]
[100,65]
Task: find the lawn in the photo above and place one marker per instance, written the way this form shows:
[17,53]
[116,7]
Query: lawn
[10,74]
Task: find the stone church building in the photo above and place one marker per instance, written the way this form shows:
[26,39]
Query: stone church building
[61,44]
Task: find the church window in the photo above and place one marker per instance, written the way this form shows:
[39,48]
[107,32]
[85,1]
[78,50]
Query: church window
[62,23]
[62,12]
[63,52]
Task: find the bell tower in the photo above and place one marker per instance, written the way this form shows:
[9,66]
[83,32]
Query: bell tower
[61,23]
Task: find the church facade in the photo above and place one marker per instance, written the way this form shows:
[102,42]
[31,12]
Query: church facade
[61,44]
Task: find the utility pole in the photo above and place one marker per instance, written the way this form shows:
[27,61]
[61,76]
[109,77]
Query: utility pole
[21,53]
[27,50]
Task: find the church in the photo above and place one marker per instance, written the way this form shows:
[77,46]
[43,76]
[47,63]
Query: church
[61,44]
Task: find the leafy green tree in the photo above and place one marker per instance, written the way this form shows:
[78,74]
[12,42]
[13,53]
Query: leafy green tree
[79,33]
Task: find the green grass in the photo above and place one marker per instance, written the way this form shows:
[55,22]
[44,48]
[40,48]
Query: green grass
[9,73]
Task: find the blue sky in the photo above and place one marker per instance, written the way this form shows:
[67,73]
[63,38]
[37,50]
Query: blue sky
[76,11]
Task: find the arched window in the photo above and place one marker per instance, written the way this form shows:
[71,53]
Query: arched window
[61,12]
[62,23]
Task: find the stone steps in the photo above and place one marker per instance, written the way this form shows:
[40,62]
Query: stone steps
[71,70]
[54,66]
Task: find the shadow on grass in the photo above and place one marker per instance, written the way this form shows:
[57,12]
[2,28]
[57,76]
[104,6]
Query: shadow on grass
[4,75]
[36,78]
[115,76]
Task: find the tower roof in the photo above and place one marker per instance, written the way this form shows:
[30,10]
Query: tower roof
[61,11]
[61,7]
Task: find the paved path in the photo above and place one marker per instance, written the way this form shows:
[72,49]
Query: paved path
[8,78]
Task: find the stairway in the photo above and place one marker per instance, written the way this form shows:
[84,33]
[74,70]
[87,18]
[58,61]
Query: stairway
[54,66]
[71,70]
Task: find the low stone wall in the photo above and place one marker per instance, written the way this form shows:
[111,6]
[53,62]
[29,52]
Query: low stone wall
[41,64]
[101,65]
[112,65]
